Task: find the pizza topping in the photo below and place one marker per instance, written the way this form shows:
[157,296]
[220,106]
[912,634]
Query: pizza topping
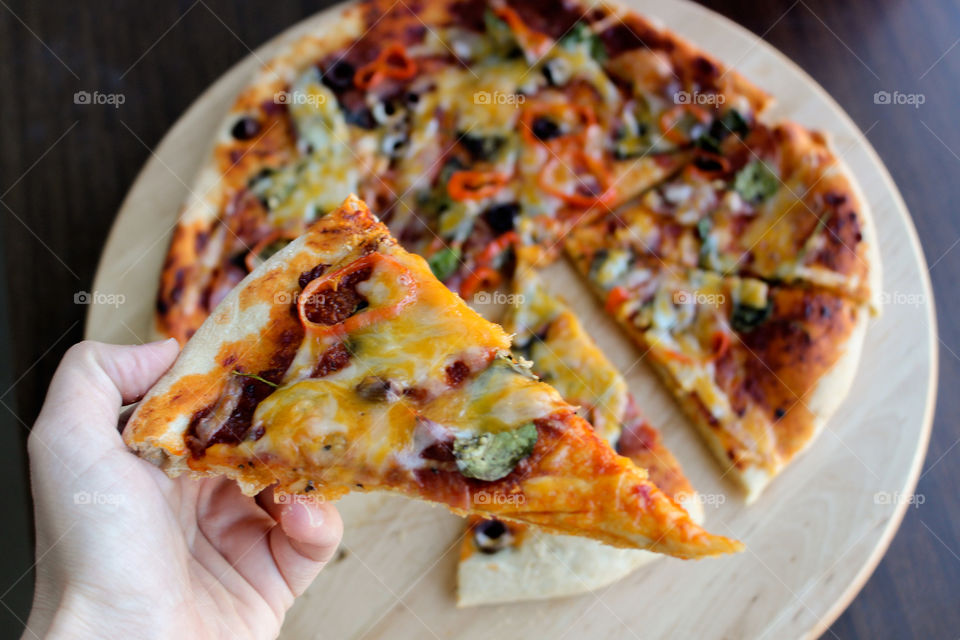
[339,75]
[444,263]
[332,360]
[684,123]
[253,376]
[476,185]
[492,456]
[333,305]
[245,128]
[378,389]
[746,318]
[756,182]
[502,217]
[308,276]
[491,536]
[581,35]
[392,62]
[592,181]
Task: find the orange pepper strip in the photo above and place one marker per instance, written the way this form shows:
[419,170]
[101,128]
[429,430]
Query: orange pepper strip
[392,62]
[671,117]
[254,254]
[676,355]
[615,299]
[476,185]
[721,344]
[480,277]
[597,169]
[366,318]
[584,113]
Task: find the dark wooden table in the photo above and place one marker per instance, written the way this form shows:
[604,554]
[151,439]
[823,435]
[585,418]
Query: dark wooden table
[64,169]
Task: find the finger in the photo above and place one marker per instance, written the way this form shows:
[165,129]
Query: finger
[95,379]
[307,538]
[131,370]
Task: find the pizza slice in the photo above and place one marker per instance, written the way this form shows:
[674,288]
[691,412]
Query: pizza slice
[504,561]
[771,203]
[342,364]
[758,367]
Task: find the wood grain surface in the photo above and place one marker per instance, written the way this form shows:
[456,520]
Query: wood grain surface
[65,167]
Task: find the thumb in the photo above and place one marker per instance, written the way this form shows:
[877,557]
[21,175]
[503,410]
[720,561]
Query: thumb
[94,380]
[308,535]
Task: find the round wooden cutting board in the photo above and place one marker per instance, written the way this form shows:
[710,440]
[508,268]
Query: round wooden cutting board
[812,539]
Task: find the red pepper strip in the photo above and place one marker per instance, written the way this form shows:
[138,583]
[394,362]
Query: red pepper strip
[721,344]
[254,254]
[615,299]
[392,62]
[495,248]
[480,278]
[476,185]
[366,318]
[596,168]
[585,116]
[671,117]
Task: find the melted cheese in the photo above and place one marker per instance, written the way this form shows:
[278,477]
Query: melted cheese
[327,421]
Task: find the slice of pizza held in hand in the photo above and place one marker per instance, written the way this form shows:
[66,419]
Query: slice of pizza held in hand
[341,363]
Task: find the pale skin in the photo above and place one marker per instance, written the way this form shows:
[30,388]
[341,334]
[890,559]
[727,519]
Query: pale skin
[124,551]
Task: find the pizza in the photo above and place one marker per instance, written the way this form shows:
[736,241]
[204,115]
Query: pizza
[472,128]
[341,363]
[757,366]
[503,561]
[494,137]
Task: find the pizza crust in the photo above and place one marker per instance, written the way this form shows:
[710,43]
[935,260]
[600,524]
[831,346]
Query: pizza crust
[826,395]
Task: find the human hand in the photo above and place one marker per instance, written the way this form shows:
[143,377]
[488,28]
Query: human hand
[125,551]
